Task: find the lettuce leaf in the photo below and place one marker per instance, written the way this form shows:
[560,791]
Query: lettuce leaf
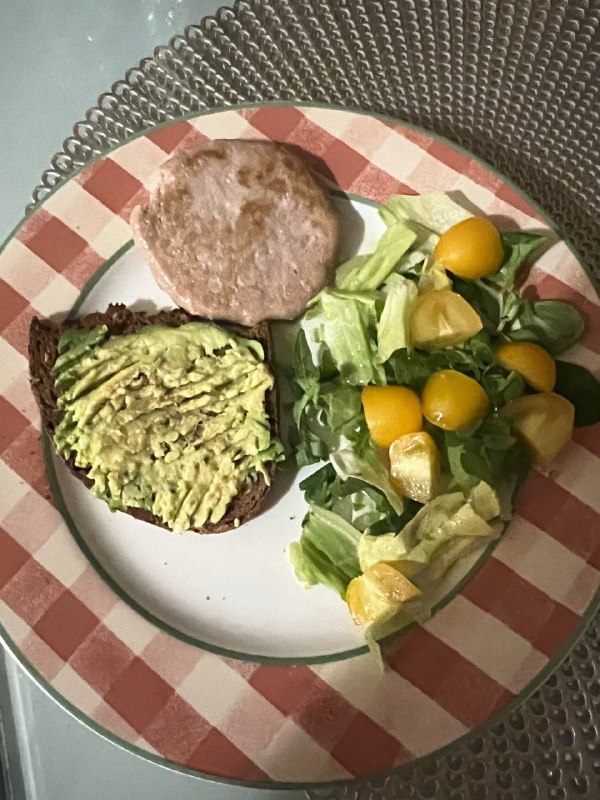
[350,462]
[326,552]
[487,451]
[317,487]
[435,211]
[413,367]
[578,385]
[442,532]
[448,516]
[367,273]
[348,329]
[554,324]
[518,246]
[358,502]
[393,326]
[497,308]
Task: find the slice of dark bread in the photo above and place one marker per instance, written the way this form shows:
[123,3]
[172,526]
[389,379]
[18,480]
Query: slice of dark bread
[43,351]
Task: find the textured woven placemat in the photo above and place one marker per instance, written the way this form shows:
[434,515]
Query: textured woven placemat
[517,83]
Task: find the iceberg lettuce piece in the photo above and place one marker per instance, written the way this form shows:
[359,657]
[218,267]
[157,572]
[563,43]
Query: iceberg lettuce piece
[326,552]
[393,327]
[366,466]
[368,272]
[348,329]
[420,542]
[434,211]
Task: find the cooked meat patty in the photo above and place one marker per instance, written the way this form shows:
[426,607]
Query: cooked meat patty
[238,230]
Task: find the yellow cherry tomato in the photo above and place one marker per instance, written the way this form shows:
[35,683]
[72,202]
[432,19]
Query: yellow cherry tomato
[415,465]
[452,400]
[378,592]
[442,318]
[470,249]
[391,412]
[535,365]
[544,421]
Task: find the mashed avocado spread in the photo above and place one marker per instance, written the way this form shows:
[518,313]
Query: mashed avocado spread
[171,420]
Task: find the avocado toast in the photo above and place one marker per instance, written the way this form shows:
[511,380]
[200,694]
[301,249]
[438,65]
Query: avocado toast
[164,416]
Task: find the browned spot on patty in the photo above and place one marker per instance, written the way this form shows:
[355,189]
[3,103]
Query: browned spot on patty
[244,175]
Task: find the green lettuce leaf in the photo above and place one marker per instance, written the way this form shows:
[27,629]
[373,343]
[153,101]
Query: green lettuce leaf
[393,327]
[305,438]
[497,308]
[318,486]
[358,502]
[412,368]
[502,387]
[365,464]
[554,324]
[518,246]
[578,385]
[348,329]
[448,516]
[424,552]
[435,211]
[342,408]
[486,452]
[305,372]
[445,531]
[412,263]
[326,552]
[367,273]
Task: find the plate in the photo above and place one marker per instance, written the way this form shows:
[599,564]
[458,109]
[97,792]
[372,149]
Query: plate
[203,652]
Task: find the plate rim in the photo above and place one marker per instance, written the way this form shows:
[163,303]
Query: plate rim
[495,718]
[530,688]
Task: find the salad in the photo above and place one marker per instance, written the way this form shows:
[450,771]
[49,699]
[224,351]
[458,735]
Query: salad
[426,386]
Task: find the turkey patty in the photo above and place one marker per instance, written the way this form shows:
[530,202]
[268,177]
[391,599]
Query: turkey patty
[238,230]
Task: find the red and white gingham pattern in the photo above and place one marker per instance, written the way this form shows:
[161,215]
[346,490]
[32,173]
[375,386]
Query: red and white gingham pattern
[289,723]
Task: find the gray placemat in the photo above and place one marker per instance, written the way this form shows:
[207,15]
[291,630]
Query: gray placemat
[517,83]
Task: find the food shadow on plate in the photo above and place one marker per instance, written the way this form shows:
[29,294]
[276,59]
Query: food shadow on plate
[143,306]
[283,481]
[352,226]
[503,222]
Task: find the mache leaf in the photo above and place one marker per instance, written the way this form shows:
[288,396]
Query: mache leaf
[578,385]
[518,246]
[554,324]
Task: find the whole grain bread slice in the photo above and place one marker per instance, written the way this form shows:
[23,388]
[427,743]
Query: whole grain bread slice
[43,351]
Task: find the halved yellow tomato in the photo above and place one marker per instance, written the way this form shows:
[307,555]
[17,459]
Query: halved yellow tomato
[544,421]
[471,249]
[415,465]
[442,318]
[535,365]
[377,592]
[390,412]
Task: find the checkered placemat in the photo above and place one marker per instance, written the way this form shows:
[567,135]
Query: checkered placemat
[268,722]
